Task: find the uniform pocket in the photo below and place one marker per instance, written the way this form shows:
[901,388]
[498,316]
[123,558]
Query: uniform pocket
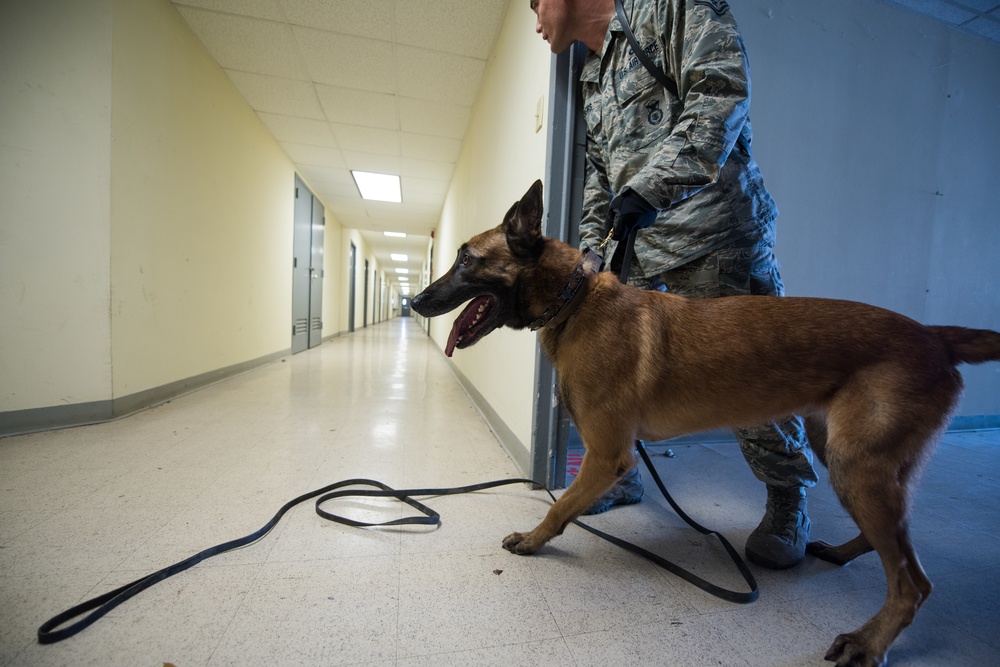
[644,115]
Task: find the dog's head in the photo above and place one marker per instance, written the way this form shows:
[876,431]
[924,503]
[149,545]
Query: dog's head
[488,270]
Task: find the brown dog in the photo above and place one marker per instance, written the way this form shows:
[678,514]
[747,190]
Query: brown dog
[877,388]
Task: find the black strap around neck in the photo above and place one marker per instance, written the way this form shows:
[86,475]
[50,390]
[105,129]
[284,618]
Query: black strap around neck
[660,75]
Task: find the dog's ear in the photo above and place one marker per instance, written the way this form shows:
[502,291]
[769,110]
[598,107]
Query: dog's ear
[523,223]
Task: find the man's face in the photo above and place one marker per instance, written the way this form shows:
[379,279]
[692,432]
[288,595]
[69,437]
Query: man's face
[553,23]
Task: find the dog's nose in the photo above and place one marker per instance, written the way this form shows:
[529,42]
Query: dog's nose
[416,301]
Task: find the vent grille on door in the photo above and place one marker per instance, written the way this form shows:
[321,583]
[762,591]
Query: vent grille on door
[301,326]
[317,324]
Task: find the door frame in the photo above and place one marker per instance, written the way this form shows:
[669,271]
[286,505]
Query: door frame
[564,171]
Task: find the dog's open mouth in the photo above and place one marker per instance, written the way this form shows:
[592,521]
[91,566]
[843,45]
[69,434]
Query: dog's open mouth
[477,320]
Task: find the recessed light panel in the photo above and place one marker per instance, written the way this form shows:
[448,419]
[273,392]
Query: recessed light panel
[378,187]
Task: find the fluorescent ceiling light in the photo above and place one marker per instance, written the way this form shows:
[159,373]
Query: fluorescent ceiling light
[397,235]
[396,257]
[402,270]
[378,187]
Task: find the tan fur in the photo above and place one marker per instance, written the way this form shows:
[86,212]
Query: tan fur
[877,389]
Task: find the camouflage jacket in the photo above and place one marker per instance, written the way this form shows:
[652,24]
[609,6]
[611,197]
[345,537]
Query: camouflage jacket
[686,151]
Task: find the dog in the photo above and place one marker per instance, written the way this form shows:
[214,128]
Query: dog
[876,388]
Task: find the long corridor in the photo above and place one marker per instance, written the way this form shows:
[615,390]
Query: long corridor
[87,509]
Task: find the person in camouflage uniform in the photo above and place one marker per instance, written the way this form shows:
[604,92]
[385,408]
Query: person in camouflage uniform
[683,151]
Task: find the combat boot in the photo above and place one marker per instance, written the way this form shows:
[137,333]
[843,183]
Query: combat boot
[779,542]
[627,491]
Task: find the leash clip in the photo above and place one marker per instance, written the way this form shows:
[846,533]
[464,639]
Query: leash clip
[607,239]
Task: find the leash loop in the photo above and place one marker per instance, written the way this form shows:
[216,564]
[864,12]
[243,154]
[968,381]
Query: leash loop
[92,610]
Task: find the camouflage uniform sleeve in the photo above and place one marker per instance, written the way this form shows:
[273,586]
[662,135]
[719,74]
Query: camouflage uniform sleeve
[596,197]
[705,56]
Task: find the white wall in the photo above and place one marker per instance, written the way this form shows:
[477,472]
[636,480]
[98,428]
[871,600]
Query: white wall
[501,157]
[877,131]
[55,201]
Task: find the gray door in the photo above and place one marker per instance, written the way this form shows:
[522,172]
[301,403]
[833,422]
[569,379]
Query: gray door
[563,203]
[352,288]
[316,274]
[301,263]
[307,269]
[365,309]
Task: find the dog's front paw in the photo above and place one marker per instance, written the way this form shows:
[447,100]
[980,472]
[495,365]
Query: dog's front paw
[520,543]
[848,650]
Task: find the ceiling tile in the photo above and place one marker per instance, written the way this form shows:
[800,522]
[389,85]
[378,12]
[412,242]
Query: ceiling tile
[427,169]
[247,44]
[362,18]
[426,186]
[367,139]
[315,174]
[299,130]
[380,164]
[420,75]
[262,9]
[434,118]
[316,156]
[464,27]
[271,94]
[429,147]
[359,107]
[422,198]
[347,61]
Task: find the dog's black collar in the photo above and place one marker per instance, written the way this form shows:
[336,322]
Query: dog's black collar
[572,294]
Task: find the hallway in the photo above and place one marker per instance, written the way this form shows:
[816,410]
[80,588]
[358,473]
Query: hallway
[87,509]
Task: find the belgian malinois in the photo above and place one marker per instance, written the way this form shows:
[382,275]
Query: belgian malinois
[876,388]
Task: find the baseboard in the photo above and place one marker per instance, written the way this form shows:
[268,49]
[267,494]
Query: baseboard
[520,454]
[19,422]
[974,423]
[958,424]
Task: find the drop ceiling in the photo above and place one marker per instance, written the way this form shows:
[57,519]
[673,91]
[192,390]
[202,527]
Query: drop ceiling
[384,86]
[388,86]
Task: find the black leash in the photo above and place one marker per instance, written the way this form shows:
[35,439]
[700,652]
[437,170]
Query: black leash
[51,631]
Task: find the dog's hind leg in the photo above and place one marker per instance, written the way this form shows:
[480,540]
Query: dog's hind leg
[874,471]
[841,554]
[601,468]
[816,431]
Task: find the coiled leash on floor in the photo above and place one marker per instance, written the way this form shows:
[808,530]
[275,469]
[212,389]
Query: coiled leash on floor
[51,631]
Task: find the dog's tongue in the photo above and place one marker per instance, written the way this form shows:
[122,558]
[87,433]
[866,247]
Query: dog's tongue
[449,349]
[462,324]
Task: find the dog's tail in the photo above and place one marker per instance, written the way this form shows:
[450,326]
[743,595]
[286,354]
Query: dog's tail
[970,346]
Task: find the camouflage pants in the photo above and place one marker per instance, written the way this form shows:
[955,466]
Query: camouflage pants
[778,453]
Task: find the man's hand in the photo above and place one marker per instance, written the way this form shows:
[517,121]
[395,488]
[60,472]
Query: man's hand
[628,211]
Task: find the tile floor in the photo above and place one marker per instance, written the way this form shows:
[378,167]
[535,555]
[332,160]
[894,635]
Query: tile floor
[85,510]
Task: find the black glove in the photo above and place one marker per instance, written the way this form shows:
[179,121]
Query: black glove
[628,211]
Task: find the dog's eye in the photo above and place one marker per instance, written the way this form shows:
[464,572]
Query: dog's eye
[466,259]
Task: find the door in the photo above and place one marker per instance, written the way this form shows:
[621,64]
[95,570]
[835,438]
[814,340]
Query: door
[307,269]
[563,202]
[365,309]
[301,262]
[352,288]
[316,273]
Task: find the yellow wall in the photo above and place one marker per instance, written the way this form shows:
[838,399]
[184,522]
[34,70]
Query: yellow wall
[201,211]
[55,154]
[145,212]
[501,156]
